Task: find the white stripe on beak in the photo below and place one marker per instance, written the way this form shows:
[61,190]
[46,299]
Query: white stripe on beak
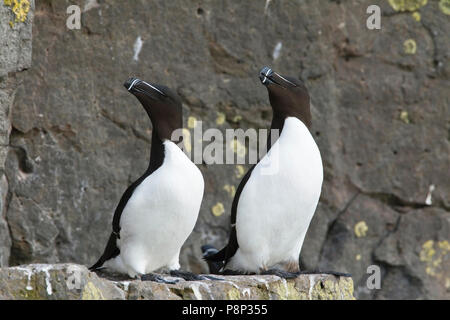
[133,83]
[266,75]
[286,79]
[154,88]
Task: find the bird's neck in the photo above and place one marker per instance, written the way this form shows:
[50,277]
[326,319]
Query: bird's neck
[156,152]
[277,124]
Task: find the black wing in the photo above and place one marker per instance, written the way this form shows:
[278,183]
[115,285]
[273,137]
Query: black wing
[226,253]
[111,250]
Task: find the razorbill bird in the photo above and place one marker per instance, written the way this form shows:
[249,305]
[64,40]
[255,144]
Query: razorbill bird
[277,198]
[157,213]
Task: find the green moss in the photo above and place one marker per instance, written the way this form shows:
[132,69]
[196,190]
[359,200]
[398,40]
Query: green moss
[24,294]
[32,293]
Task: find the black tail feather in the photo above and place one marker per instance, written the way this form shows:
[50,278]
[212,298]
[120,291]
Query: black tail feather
[110,252]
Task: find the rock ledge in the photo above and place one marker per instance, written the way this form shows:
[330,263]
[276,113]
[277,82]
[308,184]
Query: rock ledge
[75,282]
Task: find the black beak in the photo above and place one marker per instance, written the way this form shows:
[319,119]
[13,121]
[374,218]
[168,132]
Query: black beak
[268,77]
[137,85]
[130,83]
[264,76]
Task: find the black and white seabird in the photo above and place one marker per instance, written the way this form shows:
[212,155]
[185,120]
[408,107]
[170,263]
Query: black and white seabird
[277,198]
[157,213]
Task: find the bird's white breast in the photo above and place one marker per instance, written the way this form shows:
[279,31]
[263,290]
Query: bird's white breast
[162,212]
[279,199]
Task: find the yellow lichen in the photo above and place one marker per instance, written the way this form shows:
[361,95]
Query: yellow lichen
[427,252]
[410,46]
[218,209]
[416,16]
[238,148]
[234,294]
[231,190]
[444,245]
[444,5]
[346,288]
[20,8]
[192,122]
[361,229]
[433,254]
[407,5]
[237,118]
[240,171]
[404,116]
[220,118]
[358,257]
[29,295]
[187,140]
[286,290]
[325,290]
[91,292]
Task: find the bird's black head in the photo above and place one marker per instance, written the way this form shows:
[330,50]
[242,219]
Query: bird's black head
[162,105]
[288,96]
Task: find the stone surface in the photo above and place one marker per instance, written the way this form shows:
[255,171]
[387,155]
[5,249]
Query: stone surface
[75,282]
[380,118]
[15,57]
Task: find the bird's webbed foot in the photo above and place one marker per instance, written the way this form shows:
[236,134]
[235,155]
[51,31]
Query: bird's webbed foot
[189,276]
[280,273]
[334,273]
[157,278]
[228,272]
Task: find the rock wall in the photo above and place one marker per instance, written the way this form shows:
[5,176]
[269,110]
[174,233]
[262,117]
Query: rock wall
[380,107]
[75,282]
[15,57]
